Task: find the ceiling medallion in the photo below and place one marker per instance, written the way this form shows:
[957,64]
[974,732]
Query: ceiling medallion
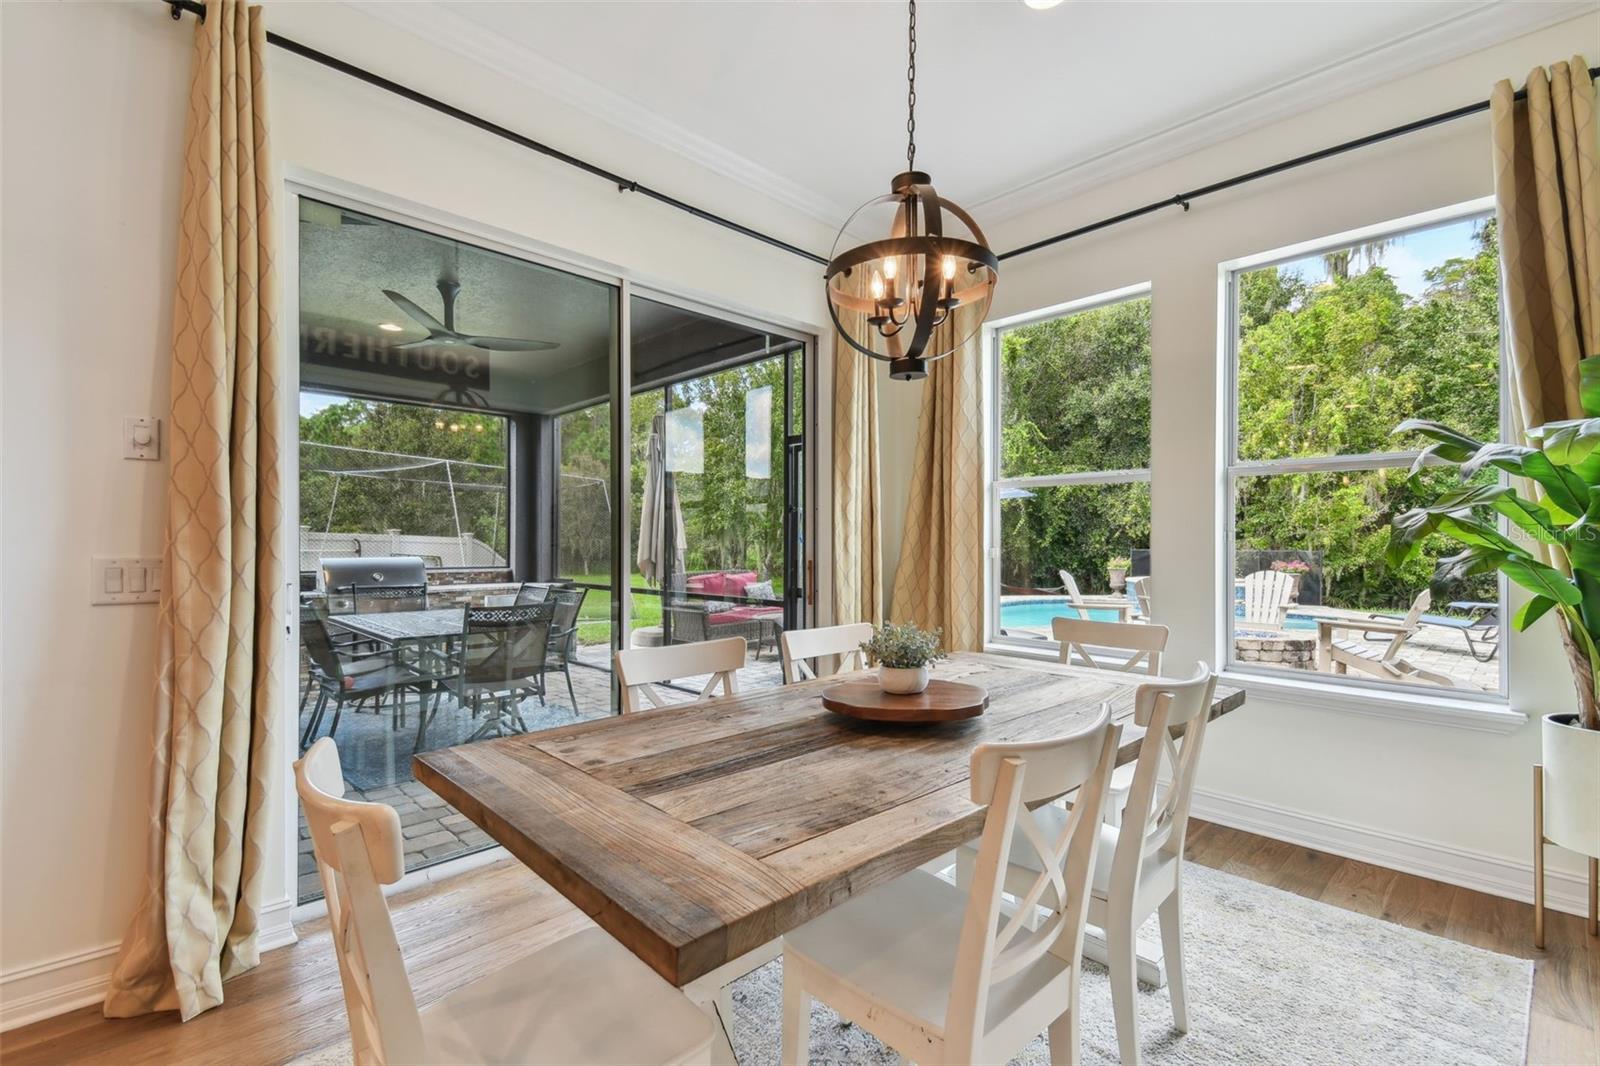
[924,290]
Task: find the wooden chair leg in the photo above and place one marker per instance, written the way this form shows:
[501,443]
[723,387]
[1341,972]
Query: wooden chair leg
[1122,947]
[1064,1038]
[1594,897]
[1171,919]
[796,1047]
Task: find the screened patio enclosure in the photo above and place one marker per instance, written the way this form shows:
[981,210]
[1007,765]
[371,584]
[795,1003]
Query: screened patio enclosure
[471,480]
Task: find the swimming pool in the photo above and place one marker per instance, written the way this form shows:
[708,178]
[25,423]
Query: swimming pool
[1036,612]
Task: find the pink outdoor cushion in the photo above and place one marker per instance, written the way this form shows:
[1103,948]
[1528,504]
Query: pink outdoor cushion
[723,583]
[744,614]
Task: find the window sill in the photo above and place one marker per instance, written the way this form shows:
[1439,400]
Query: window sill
[1429,707]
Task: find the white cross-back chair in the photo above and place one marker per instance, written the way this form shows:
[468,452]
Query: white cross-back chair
[800,647]
[1125,646]
[640,670]
[942,975]
[1122,646]
[541,1009]
[1140,865]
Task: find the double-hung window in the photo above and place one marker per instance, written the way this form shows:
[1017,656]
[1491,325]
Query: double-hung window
[1069,491]
[1331,347]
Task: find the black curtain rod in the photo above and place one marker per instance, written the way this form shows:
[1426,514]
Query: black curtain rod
[1182,199]
[194,7]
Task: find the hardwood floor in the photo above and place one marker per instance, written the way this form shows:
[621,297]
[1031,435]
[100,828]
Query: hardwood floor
[292,1004]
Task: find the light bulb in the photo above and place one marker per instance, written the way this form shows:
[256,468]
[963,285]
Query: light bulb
[949,268]
[390,327]
[877,286]
[1041,5]
[889,267]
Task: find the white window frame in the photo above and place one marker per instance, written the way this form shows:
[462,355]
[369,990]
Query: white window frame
[995,484]
[1346,692]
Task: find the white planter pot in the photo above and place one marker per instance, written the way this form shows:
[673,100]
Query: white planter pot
[904,681]
[1571,784]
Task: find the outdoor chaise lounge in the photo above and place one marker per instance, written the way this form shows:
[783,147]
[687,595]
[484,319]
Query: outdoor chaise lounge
[1480,628]
[1341,655]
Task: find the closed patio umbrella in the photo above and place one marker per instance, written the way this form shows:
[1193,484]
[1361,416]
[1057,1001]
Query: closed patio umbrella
[653,512]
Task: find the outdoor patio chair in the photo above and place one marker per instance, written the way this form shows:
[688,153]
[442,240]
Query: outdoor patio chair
[1138,589]
[505,653]
[532,593]
[1084,604]
[343,678]
[373,599]
[1341,655]
[1480,628]
[1267,597]
[568,603]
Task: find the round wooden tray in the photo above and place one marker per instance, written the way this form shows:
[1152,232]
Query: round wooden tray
[941,701]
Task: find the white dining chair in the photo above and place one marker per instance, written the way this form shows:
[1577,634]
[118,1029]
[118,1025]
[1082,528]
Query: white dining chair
[944,976]
[1122,646]
[1140,867]
[801,647]
[540,1009]
[640,670]
[1091,641]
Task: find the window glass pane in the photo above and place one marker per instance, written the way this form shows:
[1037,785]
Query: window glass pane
[583,499]
[381,478]
[1309,549]
[1097,534]
[712,552]
[1075,392]
[1337,349]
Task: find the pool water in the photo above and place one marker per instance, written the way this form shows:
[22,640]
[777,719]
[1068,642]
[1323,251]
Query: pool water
[1036,614]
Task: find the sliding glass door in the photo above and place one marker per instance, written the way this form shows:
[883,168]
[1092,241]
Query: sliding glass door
[717,466]
[484,463]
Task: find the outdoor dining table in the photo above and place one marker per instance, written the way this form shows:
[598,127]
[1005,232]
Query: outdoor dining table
[403,627]
[698,835]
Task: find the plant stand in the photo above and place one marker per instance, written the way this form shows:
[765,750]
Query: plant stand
[1539,843]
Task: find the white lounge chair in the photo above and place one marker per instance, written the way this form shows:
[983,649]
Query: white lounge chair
[1084,604]
[1340,655]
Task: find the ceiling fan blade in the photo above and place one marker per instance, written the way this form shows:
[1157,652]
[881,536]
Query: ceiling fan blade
[421,342]
[410,307]
[509,344]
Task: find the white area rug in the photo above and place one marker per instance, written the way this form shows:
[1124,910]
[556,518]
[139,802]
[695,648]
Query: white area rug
[1273,978]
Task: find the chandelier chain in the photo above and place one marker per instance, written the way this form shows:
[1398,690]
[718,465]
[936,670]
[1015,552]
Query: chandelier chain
[911,88]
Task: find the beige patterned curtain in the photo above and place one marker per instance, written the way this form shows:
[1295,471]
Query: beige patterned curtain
[1547,195]
[939,580]
[857,501]
[221,614]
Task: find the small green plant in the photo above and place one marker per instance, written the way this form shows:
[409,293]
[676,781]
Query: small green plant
[903,646]
[1119,562]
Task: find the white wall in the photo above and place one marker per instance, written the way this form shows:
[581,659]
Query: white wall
[94,98]
[1442,800]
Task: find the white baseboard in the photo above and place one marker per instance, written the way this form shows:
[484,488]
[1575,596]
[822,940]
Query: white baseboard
[79,979]
[1493,874]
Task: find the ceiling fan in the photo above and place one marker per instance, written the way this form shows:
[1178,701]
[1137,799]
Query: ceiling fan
[446,333]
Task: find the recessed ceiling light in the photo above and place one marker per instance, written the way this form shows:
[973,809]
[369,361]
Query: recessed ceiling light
[390,327]
[1042,5]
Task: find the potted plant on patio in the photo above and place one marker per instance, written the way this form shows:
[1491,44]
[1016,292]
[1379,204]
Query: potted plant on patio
[1295,568]
[1554,553]
[903,654]
[1117,570]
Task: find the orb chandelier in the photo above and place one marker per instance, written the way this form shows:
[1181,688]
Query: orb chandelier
[922,291]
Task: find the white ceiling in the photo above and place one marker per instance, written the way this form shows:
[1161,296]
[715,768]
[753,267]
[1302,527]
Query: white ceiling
[1015,106]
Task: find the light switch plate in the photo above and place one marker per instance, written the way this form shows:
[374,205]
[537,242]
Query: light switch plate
[141,437]
[124,579]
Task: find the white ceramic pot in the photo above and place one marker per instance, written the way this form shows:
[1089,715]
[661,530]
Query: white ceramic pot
[903,680]
[1571,784]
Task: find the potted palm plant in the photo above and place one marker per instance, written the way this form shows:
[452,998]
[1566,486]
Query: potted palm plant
[1553,551]
[903,653]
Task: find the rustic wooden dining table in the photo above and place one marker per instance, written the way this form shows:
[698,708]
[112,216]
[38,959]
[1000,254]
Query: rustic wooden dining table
[698,835]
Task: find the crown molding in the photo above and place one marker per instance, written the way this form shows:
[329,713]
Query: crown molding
[1472,30]
[1462,33]
[438,25]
